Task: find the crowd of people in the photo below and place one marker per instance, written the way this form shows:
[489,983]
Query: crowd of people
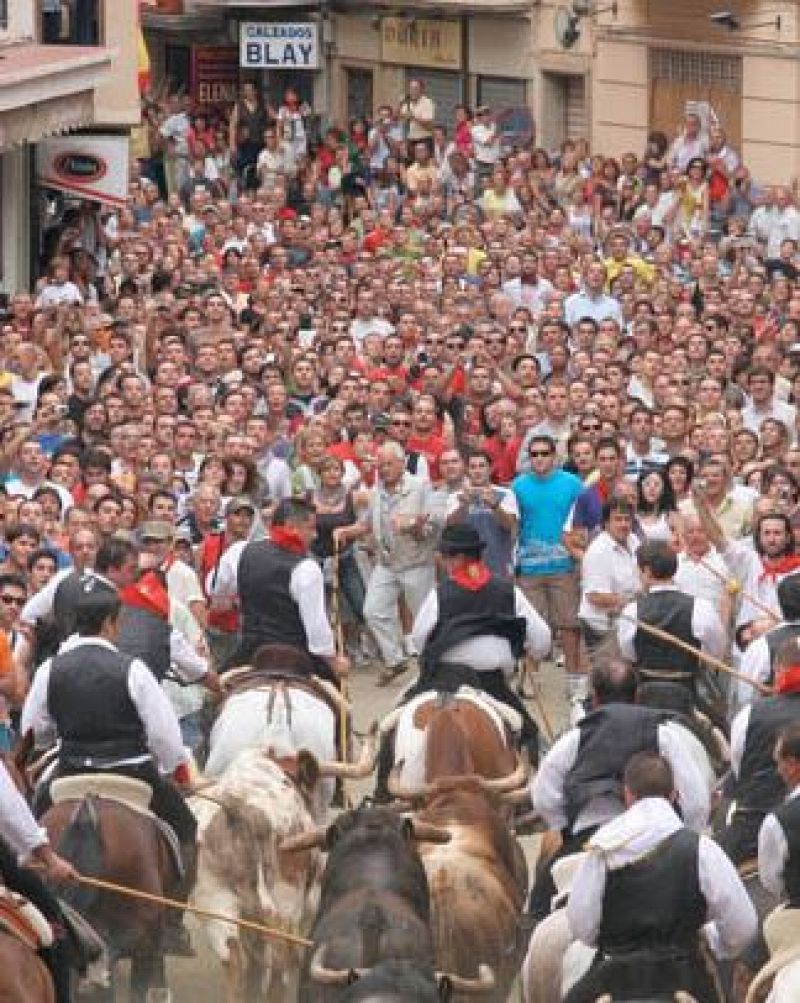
[409,326]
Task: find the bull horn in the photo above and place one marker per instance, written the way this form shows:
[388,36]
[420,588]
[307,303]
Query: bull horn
[427,832]
[390,721]
[355,771]
[502,785]
[333,694]
[484,983]
[521,796]
[331,976]
[310,840]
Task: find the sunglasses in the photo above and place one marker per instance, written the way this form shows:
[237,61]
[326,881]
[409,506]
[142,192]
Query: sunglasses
[402,424]
[13,601]
[541,452]
[591,428]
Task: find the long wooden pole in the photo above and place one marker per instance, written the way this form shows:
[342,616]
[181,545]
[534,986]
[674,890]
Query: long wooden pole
[734,587]
[711,660]
[167,903]
[336,604]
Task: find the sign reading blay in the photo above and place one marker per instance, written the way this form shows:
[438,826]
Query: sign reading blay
[266,45]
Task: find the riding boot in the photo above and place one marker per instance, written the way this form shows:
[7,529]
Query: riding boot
[56,957]
[385,764]
[177,941]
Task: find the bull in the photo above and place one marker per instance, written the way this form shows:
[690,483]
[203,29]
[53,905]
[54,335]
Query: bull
[478,878]
[242,817]
[374,904]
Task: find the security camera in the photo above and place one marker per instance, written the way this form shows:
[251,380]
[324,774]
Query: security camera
[725,19]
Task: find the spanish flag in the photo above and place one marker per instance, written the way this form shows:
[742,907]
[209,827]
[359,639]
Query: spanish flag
[142,56]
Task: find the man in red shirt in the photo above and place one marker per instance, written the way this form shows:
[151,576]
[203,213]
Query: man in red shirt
[425,437]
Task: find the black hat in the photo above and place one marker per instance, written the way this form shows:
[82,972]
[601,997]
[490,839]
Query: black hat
[789,596]
[460,538]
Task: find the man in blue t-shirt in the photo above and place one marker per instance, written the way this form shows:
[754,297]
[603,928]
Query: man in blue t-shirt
[548,574]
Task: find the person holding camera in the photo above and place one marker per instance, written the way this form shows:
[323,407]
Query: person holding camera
[418,111]
[491,510]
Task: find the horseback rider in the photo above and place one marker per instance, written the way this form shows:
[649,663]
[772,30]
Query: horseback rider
[757,787]
[779,838]
[646,889]
[281,592]
[579,784]
[112,716]
[760,657]
[663,667]
[23,839]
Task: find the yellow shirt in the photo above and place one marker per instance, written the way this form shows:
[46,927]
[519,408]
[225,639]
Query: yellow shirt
[643,269]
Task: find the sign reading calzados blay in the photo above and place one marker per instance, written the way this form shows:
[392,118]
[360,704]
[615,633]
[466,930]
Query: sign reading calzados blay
[266,45]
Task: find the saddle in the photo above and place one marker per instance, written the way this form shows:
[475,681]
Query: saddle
[248,678]
[130,792]
[23,921]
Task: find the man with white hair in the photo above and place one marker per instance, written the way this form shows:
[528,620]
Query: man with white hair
[400,523]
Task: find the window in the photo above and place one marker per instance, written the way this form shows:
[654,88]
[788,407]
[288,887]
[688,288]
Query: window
[3,14]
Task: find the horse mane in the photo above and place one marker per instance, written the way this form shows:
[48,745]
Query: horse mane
[447,746]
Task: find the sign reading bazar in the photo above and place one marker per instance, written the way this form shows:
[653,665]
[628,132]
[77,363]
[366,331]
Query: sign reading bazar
[417,42]
[91,167]
[269,45]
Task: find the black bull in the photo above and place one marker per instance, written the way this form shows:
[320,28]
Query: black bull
[374,904]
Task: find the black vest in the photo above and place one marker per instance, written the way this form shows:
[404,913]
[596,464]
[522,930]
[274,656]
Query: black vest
[760,788]
[610,735]
[789,817]
[670,610]
[269,613]
[775,638]
[496,598]
[144,635]
[88,699]
[656,901]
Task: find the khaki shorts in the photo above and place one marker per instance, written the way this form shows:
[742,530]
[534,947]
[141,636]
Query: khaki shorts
[554,597]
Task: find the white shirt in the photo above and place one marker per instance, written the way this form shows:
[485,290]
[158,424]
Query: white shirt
[485,654]
[486,143]
[696,580]
[732,922]
[755,665]
[675,743]
[601,307]
[535,296]
[706,626]
[17,825]
[610,567]
[773,852]
[752,417]
[306,587]
[161,726]
[771,226]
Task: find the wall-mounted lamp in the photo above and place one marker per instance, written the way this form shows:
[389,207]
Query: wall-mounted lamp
[727,19]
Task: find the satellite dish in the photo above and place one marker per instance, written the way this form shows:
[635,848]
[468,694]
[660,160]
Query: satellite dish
[566,28]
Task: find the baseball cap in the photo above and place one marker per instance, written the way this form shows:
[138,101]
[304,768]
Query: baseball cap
[238,503]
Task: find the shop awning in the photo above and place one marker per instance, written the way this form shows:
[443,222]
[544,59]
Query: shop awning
[450,8]
[48,89]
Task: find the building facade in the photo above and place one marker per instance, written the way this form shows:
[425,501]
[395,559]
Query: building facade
[83,75]
[628,68]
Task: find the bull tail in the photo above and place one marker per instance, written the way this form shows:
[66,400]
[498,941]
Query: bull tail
[372,925]
[447,748]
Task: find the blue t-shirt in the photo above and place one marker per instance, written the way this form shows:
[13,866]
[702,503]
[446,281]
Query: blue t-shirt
[544,507]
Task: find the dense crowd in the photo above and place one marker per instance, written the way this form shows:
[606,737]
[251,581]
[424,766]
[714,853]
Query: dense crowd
[408,325]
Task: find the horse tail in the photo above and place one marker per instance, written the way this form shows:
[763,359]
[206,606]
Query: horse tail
[81,843]
[447,747]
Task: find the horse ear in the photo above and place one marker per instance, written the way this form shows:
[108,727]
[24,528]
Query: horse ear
[307,771]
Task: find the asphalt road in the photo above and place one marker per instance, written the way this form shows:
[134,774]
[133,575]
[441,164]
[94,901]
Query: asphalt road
[199,979]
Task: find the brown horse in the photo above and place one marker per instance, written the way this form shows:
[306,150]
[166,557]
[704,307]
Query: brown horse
[24,977]
[110,840]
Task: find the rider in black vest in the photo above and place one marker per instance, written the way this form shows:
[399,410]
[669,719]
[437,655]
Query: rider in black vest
[471,629]
[643,895]
[112,716]
[779,839]
[579,786]
[663,667]
[271,577]
[761,655]
[757,787]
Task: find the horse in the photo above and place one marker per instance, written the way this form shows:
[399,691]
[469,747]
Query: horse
[275,703]
[24,977]
[117,841]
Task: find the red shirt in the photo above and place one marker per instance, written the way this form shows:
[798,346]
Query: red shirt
[431,447]
[212,548]
[504,457]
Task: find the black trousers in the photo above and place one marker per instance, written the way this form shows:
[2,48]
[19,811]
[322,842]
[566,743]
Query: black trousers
[27,882]
[544,888]
[739,839]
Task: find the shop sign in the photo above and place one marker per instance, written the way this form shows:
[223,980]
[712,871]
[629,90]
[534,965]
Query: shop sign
[91,167]
[420,42]
[214,74]
[270,45]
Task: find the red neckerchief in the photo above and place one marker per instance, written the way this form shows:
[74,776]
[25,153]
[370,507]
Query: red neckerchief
[471,575]
[788,680]
[287,539]
[148,593]
[774,566]
[603,490]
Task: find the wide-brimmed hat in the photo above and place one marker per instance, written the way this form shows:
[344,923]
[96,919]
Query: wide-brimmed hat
[459,538]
